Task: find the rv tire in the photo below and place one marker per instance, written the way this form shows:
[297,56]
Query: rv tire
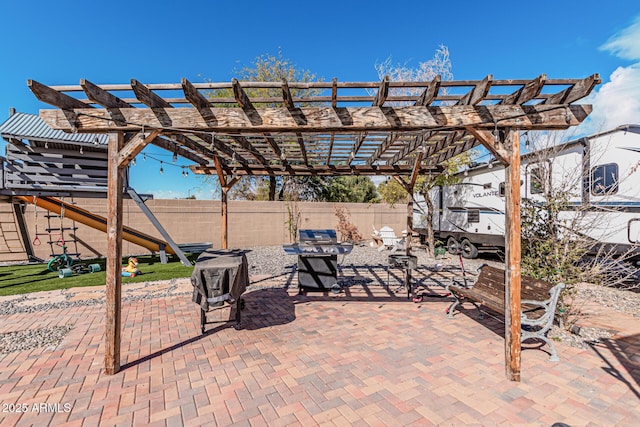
[468,249]
[452,245]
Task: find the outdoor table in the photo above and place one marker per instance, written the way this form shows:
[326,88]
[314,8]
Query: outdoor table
[220,275]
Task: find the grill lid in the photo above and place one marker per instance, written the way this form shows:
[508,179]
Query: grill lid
[318,236]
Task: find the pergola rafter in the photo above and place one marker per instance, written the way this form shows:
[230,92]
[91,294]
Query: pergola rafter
[334,128]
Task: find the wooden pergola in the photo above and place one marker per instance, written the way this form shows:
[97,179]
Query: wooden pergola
[402,129]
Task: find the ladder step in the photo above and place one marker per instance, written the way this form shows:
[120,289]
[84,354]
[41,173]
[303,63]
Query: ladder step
[68,253]
[58,229]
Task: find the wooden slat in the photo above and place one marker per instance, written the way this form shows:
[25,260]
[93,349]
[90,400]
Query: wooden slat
[170,146]
[383,92]
[147,97]
[102,97]
[527,92]
[244,143]
[388,142]
[330,149]
[478,93]
[303,149]
[277,151]
[574,92]
[323,119]
[356,146]
[198,100]
[315,85]
[241,96]
[430,93]
[286,95]
[334,93]
[55,98]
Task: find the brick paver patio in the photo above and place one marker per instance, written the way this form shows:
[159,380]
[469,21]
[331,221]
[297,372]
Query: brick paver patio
[365,357]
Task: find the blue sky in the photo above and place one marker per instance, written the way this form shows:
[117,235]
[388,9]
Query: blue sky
[61,42]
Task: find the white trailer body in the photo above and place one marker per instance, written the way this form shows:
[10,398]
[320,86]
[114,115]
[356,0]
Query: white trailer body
[601,172]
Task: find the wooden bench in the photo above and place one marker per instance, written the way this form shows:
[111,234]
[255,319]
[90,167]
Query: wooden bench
[538,301]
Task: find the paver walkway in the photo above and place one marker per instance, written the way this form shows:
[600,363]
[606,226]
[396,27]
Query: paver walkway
[365,357]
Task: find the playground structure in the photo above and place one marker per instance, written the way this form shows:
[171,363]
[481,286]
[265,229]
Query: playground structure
[43,166]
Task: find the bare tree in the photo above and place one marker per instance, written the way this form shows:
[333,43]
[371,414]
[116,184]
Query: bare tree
[562,230]
[439,65]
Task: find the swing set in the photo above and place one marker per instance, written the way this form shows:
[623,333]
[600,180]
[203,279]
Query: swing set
[58,261]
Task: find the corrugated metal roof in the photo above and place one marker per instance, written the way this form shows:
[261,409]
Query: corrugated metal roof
[31,126]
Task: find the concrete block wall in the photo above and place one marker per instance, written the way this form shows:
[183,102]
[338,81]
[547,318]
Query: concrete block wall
[251,223]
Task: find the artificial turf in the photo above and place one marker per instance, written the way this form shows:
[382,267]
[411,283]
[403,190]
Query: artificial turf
[23,279]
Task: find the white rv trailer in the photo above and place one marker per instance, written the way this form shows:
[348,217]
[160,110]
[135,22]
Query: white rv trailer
[604,171]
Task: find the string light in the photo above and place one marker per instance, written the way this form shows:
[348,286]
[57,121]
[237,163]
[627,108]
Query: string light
[81,150]
[175,157]
[133,161]
[161,170]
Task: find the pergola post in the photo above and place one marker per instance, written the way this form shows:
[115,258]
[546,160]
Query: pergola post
[114,255]
[225,220]
[513,255]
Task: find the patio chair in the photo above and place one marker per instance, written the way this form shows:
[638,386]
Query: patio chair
[389,238]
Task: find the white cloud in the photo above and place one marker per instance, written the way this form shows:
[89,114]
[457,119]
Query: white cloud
[617,101]
[624,44]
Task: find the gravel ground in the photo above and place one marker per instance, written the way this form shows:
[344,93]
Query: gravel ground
[33,338]
[271,261]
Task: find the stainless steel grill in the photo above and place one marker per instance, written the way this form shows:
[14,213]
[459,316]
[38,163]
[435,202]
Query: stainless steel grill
[318,242]
[317,253]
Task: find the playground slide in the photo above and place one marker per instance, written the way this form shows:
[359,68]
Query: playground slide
[96,221]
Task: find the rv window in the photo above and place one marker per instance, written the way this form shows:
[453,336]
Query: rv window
[535,183]
[604,179]
[473,215]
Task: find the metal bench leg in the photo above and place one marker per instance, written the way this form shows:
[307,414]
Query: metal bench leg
[552,348]
[452,308]
[203,319]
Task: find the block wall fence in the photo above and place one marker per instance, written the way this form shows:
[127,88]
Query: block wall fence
[251,223]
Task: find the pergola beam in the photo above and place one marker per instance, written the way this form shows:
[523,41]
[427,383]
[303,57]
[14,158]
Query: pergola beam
[54,97]
[492,143]
[134,146]
[324,170]
[324,119]
[198,100]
